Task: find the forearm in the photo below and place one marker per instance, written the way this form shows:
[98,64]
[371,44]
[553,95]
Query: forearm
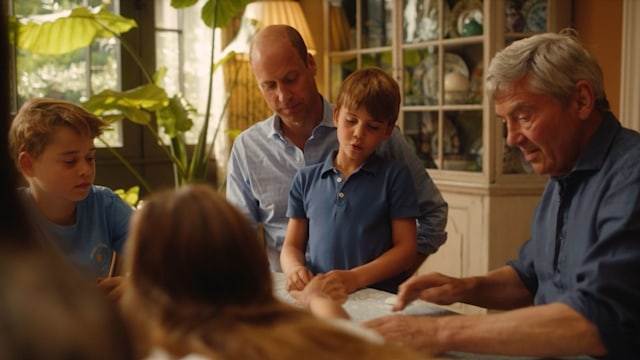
[389,264]
[322,306]
[291,258]
[500,289]
[546,330]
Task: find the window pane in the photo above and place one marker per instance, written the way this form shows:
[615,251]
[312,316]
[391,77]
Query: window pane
[183,46]
[73,76]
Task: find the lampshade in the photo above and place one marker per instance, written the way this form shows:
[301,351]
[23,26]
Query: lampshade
[339,29]
[268,12]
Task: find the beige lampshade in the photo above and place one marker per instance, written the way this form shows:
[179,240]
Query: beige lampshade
[268,12]
[339,29]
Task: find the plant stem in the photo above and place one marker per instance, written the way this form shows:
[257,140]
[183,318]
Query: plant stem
[127,165]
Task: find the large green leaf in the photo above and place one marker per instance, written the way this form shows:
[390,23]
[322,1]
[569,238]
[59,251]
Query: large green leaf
[174,118]
[227,10]
[132,103]
[66,31]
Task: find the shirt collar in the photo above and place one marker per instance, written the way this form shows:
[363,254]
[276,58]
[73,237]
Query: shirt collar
[372,165]
[275,122]
[596,151]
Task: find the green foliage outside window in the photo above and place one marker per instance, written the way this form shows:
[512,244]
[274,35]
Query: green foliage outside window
[84,27]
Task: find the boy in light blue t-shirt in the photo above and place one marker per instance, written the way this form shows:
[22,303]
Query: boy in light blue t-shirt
[354,215]
[51,142]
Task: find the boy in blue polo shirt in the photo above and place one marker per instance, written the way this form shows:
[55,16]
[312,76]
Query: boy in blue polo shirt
[354,215]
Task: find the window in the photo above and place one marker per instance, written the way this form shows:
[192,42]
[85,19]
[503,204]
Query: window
[183,47]
[73,76]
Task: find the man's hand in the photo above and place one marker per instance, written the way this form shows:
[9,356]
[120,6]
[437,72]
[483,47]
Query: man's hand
[416,332]
[434,287]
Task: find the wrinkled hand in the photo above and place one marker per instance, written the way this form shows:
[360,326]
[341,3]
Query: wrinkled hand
[433,287]
[298,278]
[416,332]
[321,283]
[113,287]
[346,278]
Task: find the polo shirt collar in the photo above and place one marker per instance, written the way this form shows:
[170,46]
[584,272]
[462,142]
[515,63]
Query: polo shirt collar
[372,165]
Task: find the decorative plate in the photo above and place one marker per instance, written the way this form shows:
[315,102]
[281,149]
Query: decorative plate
[535,15]
[468,16]
[455,63]
[459,9]
[424,81]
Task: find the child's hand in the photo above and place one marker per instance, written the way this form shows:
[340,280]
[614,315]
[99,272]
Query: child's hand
[298,278]
[346,278]
[112,286]
[321,285]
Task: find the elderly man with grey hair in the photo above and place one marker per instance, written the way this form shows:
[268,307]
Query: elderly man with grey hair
[573,289]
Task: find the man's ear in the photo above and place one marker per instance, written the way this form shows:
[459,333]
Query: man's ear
[584,99]
[25,162]
[311,63]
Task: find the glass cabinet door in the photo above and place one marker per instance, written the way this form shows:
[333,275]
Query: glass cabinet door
[438,51]
[361,35]
[441,57]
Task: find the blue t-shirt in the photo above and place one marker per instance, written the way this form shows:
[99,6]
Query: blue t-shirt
[350,221]
[584,249]
[102,224]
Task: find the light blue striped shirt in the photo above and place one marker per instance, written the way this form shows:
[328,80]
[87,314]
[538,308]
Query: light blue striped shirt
[263,163]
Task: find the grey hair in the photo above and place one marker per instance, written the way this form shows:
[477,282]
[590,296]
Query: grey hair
[554,63]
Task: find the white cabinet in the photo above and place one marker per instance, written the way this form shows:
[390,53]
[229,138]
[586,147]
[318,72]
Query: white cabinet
[437,50]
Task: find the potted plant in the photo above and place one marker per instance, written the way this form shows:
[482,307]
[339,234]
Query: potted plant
[81,26]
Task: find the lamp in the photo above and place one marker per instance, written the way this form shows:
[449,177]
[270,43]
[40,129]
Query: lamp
[339,29]
[269,12]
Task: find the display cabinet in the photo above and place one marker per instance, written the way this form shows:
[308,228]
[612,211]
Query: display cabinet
[437,50]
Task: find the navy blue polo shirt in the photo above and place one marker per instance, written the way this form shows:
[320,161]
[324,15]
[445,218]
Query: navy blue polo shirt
[350,221]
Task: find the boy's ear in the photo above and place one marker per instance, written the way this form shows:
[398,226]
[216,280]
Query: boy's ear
[389,131]
[336,114]
[25,162]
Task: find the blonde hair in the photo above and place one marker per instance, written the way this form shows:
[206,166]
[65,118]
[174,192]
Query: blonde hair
[374,90]
[199,282]
[33,127]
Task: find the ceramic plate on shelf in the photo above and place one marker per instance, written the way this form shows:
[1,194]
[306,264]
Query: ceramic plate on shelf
[470,22]
[461,9]
[455,63]
[535,15]
[425,76]
[424,81]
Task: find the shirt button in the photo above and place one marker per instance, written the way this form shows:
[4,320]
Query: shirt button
[339,179]
[340,195]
